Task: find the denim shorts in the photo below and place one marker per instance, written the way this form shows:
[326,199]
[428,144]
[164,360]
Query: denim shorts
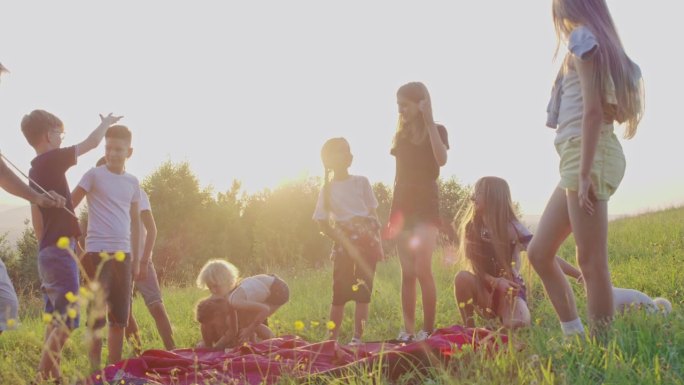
[8,300]
[58,274]
[149,287]
[115,278]
[606,171]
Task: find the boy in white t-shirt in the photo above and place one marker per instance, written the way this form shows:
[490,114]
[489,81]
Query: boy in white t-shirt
[113,228]
[147,282]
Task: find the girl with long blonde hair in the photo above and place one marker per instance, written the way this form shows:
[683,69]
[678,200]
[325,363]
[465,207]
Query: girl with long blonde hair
[597,85]
[491,238]
[420,149]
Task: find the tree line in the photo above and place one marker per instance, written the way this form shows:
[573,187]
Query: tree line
[269,230]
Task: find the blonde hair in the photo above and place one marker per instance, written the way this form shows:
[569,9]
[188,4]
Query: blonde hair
[498,214]
[415,92]
[611,60]
[215,271]
[330,147]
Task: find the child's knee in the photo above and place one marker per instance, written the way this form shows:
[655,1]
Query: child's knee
[464,282]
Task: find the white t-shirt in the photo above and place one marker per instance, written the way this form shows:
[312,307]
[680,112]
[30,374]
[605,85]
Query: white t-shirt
[109,198]
[582,44]
[143,206]
[255,288]
[352,197]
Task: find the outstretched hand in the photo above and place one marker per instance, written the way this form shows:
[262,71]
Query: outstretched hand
[109,119]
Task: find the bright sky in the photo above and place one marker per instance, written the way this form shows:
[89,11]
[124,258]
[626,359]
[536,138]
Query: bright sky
[251,90]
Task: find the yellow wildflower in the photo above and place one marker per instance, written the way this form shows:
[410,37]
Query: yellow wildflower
[330,325]
[120,256]
[47,317]
[315,324]
[63,243]
[355,287]
[72,313]
[70,297]
[11,323]
[461,305]
[299,325]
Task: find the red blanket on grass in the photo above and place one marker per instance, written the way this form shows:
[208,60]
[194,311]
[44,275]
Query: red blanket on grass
[291,356]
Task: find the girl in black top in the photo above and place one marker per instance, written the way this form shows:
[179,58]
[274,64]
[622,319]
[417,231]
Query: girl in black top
[420,148]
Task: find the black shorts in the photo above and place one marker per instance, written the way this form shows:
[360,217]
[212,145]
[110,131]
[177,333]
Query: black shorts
[115,279]
[352,281]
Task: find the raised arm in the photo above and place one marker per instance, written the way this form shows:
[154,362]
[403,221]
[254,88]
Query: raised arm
[439,148]
[95,137]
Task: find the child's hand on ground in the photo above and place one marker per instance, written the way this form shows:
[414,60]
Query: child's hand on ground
[246,335]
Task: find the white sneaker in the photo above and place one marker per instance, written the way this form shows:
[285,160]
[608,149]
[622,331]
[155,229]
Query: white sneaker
[404,337]
[422,335]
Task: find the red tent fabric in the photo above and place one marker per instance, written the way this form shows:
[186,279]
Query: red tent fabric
[291,356]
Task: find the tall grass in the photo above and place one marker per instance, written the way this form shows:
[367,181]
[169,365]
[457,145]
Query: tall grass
[646,253]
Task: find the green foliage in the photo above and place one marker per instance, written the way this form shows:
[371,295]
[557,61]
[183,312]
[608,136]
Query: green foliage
[264,231]
[22,266]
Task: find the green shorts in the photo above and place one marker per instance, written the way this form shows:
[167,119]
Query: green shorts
[606,171]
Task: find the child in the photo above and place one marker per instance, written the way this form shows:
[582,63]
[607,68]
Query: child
[218,323]
[349,201]
[623,299]
[146,282]
[253,298]
[113,226]
[420,148]
[57,269]
[597,85]
[491,238]
[9,304]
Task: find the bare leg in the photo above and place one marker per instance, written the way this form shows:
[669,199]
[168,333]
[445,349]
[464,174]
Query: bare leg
[263,332]
[50,359]
[133,335]
[514,313]
[408,282]
[360,318]
[591,238]
[95,352]
[115,343]
[427,241]
[469,293]
[553,228]
[336,315]
[161,318]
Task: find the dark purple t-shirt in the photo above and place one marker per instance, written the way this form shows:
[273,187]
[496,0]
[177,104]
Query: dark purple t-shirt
[416,163]
[48,170]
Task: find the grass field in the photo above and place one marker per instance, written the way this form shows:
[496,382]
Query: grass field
[646,253]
